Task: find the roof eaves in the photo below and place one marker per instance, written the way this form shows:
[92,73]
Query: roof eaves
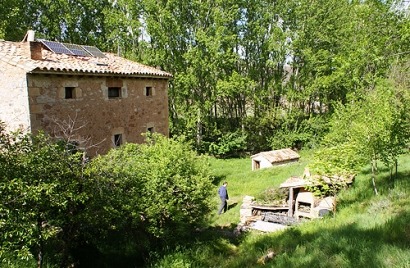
[65,71]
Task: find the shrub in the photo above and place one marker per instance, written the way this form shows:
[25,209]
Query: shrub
[306,133]
[230,144]
[153,193]
[273,196]
[42,196]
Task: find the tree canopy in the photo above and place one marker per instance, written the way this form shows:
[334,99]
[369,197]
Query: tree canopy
[265,68]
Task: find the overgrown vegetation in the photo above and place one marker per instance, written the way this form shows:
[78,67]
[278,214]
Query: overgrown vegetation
[366,230]
[368,130]
[127,208]
[61,210]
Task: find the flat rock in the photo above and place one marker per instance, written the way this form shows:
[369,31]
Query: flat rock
[267,226]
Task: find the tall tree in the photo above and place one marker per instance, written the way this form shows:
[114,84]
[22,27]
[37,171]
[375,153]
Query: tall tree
[75,21]
[365,131]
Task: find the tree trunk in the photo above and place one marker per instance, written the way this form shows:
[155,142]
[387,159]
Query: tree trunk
[396,164]
[391,173]
[199,129]
[40,259]
[40,244]
[374,176]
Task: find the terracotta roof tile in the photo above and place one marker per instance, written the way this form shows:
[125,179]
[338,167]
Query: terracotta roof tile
[18,54]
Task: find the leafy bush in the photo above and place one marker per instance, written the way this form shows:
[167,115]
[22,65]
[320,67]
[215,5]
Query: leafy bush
[57,206]
[230,144]
[42,196]
[155,193]
[273,196]
[293,134]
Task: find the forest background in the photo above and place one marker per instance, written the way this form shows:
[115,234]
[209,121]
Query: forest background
[248,75]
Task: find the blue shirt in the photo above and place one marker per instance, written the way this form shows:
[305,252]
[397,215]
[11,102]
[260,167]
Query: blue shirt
[223,192]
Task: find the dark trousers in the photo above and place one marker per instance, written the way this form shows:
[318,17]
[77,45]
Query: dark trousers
[223,207]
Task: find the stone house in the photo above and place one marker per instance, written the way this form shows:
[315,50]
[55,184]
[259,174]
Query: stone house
[274,158]
[96,100]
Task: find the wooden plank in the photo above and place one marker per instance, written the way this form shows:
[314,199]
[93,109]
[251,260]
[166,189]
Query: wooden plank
[290,211]
[270,207]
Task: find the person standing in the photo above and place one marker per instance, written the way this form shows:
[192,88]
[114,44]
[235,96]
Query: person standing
[223,194]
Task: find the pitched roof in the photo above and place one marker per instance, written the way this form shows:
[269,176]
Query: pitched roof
[278,155]
[18,54]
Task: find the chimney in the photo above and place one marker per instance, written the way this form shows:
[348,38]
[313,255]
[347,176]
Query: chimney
[30,36]
[35,50]
[35,47]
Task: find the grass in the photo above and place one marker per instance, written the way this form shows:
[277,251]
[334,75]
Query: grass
[242,181]
[366,230]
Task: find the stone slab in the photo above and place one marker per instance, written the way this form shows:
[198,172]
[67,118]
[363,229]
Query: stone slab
[267,226]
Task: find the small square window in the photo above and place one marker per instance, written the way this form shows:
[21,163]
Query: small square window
[114,92]
[70,92]
[148,91]
[117,140]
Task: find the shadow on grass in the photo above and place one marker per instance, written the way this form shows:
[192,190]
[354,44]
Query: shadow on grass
[343,246]
[364,187]
[231,206]
[208,248]
[216,180]
[214,234]
[346,246]
[383,176]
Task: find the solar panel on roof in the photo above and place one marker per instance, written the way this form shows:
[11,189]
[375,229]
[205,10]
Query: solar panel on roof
[94,51]
[78,50]
[56,47]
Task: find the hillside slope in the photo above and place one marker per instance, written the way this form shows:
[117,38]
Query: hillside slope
[366,230]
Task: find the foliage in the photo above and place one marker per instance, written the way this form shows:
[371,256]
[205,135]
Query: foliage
[153,193]
[324,186]
[228,145]
[273,196]
[54,205]
[294,134]
[260,66]
[41,184]
[372,227]
[275,70]
[364,131]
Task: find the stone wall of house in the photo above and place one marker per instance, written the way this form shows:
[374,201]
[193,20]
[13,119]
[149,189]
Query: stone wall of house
[90,117]
[14,109]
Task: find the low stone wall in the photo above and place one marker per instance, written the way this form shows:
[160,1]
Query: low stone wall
[246,209]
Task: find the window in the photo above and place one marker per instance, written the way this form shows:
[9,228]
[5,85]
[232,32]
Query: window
[117,140]
[114,92]
[70,92]
[148,91]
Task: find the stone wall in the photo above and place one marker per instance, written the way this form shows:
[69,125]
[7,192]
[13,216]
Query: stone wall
[245,211]
[95,117]
[14,110]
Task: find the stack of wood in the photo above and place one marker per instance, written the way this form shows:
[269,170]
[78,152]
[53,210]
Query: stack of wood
[279,218]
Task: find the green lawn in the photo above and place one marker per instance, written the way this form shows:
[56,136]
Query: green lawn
[366,230]
[242,181]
